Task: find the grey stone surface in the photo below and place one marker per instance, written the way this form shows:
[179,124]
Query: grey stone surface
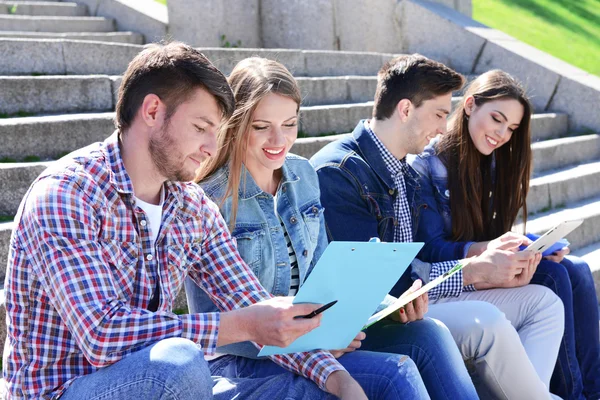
[110,37]
[15,179]
[45,8]
[558,153]
[203,23]
[55,24]
[328,63]
[379,28]
[52,136]
[25,56]
[332,90]
[579,96]
[307,147]
[45,94]
[566,186]
[100,58]
[463,6]
[339,118]
[523,62]
[294,25]
[5,232]
[440,33]
[115,84]
[148,18]
[548,126]
[226,58]
[4,9]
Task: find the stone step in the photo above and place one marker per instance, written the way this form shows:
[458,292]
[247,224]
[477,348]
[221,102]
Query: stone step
[557,188]
[53,94]
[55,24]
[43,8]
[59,93]
[64,57]
[45,56]
[109,37]
[556,153]
[51,136]
[591,255]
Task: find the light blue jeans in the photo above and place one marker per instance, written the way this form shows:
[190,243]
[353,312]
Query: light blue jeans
[175,369]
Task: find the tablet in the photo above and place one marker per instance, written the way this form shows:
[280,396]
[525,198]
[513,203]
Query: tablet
[553,235]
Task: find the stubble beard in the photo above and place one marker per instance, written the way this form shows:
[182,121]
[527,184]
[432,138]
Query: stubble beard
[166,158]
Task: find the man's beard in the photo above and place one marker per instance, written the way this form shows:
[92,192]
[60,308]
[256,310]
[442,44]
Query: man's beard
[167,160]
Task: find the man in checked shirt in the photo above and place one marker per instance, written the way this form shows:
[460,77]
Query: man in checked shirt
[104,239]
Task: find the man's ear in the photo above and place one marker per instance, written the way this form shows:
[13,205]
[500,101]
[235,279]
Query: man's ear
[469,104]
[152,110]
[404,108]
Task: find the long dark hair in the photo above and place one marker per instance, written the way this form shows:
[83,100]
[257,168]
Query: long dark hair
[485,200]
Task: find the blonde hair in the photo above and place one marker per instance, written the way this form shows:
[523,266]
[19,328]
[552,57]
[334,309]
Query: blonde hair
[251,80]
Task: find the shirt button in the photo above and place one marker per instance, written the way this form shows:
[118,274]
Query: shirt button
[143,222]
[391,191]
[149,257]
[293,220]
[447,193]
[315,210]
[283,189]
[305,253]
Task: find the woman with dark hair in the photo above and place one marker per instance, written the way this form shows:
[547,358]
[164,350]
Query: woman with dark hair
[271,201]
[476,179]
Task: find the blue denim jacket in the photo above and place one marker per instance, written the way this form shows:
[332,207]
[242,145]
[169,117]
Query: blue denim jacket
[352,169]
[259,235]
[434,225]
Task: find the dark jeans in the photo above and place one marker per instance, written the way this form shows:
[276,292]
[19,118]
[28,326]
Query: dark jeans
[577,372]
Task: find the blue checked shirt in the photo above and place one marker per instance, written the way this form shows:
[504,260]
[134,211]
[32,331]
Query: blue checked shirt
[452,287]
[81,273]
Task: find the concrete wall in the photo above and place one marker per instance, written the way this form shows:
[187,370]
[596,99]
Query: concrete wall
[354,25]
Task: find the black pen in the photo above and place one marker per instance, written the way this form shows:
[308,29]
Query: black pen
[317,311]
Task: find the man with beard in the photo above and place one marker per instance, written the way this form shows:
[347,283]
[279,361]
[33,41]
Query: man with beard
[103,241]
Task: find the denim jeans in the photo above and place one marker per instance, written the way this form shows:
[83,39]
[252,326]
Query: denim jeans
[432,348]
[171,369]
[577,372]
[381,375]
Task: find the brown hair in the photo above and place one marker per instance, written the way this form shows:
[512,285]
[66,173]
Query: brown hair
[485,200]
[413,77]
[251,80]
[172,71]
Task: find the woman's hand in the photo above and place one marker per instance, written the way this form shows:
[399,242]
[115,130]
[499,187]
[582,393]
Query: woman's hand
[510,241]
[558,256]
[413,310]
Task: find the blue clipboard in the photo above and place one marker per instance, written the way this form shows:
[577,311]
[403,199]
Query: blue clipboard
[358,275]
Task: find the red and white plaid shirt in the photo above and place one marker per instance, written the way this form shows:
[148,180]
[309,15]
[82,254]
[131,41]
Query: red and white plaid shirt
[82,271]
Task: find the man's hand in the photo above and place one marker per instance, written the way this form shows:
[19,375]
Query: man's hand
[355,344]
[342,385]
[270,322]
[499,267]
[558,256]
[525,276]
[415,309]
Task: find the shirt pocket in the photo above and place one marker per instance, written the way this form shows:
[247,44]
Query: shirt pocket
[122,259]
[312,220]
[250,246]
[179,259]
[442,197]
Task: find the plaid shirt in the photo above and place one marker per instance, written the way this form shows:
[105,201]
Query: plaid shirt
[81,273]
[453,286]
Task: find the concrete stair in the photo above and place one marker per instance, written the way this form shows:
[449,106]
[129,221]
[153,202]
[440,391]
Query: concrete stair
[43,8]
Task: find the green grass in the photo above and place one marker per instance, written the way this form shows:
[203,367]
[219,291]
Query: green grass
[162,1]
[6,218]
[567,29]
[18,114]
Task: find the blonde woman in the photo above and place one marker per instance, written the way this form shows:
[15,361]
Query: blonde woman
[270,199]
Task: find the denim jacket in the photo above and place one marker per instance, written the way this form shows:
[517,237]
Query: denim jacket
[259,234]
[434,225]
[352,169]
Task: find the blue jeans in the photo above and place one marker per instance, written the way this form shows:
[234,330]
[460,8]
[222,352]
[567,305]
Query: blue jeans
[577,372]
[381,375]
[431,346]
[171,369]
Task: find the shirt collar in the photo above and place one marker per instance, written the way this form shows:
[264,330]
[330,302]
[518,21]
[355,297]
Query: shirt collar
[394,165]
[248,187]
